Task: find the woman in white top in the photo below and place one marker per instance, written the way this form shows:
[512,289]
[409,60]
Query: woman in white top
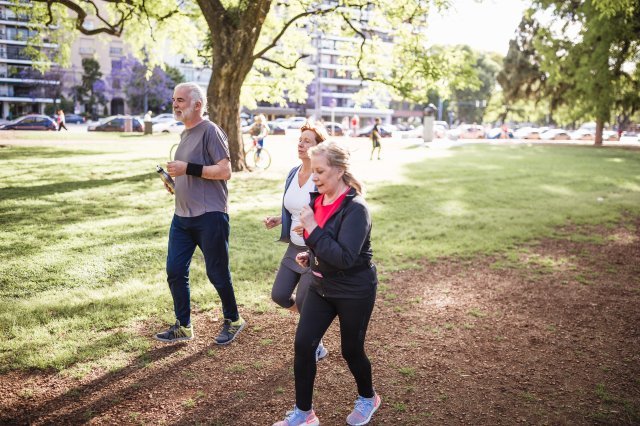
[298,185]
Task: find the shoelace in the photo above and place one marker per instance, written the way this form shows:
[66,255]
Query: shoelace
[174,330]
[363,406]
[291,414]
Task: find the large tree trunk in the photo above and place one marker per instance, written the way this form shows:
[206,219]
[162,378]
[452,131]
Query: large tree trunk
[234,33]
[599,128]
[224,109]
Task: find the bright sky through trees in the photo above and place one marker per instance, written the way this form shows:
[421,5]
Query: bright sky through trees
[486,25]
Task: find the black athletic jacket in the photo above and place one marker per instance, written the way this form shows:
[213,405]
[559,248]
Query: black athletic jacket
[341,251]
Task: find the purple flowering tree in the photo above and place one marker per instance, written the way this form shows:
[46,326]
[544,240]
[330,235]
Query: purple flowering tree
[158,89]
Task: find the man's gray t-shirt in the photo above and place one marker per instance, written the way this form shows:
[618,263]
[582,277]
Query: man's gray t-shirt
[204,144]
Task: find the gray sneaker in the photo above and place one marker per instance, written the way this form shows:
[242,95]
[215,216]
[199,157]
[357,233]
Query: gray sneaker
[175,333]
[230,331]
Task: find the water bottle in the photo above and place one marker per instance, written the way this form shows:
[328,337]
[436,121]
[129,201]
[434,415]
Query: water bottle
[166,178]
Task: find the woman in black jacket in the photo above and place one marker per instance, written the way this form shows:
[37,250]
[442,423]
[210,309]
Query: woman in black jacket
[337,230]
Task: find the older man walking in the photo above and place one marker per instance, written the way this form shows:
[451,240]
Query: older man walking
[201,170]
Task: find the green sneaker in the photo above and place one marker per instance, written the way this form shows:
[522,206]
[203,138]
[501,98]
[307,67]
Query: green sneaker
[230,331]
[175,333]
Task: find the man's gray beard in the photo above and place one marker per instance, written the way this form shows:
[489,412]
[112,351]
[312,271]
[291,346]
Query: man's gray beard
[186,114]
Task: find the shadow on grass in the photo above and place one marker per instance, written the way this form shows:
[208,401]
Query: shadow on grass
[9,152]
[70,398]
[16,193]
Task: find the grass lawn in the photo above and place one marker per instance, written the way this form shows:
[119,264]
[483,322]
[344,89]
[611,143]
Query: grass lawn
[83,231]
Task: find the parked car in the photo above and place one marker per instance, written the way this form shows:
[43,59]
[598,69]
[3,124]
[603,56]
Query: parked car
[276,127]
[499,133]
[71,118]
[295,122]
[116,124]
[630,137]
[442,123]
[527,133]
[583,134]
[439,132]
[164,117]
[31,122]
[334,128]
[555,135]
[168,127]
[467,131]
[385,131]
[610,136]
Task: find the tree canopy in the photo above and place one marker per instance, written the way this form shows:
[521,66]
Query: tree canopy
[581,57]
[244,43]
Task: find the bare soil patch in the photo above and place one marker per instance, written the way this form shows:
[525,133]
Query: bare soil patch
[551,336]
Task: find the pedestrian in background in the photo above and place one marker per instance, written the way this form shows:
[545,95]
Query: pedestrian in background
[337,230]
[375,139]
[61,120]
[201,170]
[298,185]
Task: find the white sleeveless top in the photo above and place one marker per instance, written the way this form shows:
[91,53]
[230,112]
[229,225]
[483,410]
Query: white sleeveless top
[295,198]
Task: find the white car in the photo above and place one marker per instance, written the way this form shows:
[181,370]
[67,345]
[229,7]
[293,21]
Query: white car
[168,127]
[630,137]
[583,134]
[555,135]
[527,133]
[161,118]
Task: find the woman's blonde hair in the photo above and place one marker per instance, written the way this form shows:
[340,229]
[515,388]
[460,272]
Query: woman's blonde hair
[338,156]
[320,131]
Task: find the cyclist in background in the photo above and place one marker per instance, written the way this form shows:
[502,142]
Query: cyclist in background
[259,132]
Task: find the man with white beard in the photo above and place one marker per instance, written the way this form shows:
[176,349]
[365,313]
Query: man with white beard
[201,170]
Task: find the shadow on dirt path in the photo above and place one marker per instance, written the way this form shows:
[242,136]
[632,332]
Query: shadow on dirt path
[547,335]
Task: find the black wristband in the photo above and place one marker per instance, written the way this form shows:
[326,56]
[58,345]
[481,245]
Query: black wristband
[194,169]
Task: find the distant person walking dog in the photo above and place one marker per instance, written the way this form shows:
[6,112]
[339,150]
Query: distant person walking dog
[201,169]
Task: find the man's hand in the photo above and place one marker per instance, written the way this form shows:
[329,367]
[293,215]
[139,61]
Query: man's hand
[176,168]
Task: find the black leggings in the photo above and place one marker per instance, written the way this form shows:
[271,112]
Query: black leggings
[317,315]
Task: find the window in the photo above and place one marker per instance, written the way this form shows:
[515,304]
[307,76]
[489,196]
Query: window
[115,50]
[116,83]
[116,64]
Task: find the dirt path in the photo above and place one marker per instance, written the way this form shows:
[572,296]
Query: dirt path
[549,337]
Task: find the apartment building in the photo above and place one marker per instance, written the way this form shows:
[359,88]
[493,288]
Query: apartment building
[23,89]
[110,52]
[332,92]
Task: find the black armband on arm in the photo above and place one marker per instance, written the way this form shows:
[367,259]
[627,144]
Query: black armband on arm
[194,169]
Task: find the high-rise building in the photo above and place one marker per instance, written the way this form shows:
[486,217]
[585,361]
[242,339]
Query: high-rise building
[23,89]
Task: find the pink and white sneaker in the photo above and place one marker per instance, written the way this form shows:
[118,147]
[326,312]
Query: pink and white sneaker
[364,409]
[298,417]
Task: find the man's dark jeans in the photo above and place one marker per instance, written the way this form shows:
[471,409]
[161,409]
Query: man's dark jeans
[210,232]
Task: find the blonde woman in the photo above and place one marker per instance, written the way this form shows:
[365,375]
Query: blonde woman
[337,231]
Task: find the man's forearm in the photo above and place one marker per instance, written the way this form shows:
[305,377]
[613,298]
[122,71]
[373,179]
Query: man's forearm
[220,171]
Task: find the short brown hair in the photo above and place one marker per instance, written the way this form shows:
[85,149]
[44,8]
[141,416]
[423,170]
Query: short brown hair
[320,131]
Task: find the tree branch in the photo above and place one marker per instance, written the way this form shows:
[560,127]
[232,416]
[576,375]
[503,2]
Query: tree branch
[114,29]
[364,40]
[290,67]
[286,26]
